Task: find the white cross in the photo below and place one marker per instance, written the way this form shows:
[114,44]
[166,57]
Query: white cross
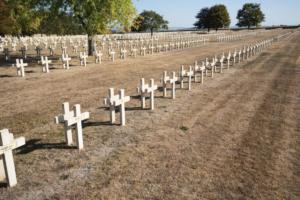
[114,101]
[182,74]
[70,118]
[144,89]
[165,80]
[143,51]
[21,67]
[221,63]
[98,55]
[173,81]
[83,56]
[112,54]
[228,59]
[199,69]
[46,62]
[66,59]
[190,74]
[123,53]
[133,50]
[7,165]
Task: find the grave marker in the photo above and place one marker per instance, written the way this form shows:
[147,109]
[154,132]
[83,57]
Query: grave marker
[7,165]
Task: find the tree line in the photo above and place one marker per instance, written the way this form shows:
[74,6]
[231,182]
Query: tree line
[217,17]
[68,17]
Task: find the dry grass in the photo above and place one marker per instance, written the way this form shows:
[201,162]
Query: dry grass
[235,137]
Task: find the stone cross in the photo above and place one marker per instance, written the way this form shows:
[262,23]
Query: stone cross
[173,81]
[123,53]
[83,57]
[98,56]
[221,63]
[45,63]
[165,81]
[239,53]
[190,74]
[144,89]
[112,54]
[228,59]
[70,118]
[21,67]
[182,74]
[7,165]
[114,101]
[234,57]
[134,52]
[199,69]
[66,59]
[143,51]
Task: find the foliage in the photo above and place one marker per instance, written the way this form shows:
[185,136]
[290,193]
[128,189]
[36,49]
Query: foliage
[214,17]
[68,16]
[202,19]
[24,20]
[218,17]
[6,22]
[250,15]
[150,20]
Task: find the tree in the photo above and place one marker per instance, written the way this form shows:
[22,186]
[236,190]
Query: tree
[6,22]
[94,16]
[250,15]
[150,20]
[202,19]
[218,17]
[214,17]
[26,19]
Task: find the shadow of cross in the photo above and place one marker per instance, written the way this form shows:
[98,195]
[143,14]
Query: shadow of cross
[7,165]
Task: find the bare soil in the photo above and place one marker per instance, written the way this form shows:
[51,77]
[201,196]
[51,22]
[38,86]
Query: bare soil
[235,137]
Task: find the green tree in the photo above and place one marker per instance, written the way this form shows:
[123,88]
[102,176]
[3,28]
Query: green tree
[6,22]
[202,19]
[25,19]
[250,15]
[218,17]
[214,17]
[151,21]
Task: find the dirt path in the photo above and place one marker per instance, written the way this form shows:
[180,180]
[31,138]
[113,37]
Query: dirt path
[235,137]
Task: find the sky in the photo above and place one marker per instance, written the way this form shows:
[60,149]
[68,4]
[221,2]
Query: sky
[181,13]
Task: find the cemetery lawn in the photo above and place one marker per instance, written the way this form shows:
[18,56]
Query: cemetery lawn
[235,137]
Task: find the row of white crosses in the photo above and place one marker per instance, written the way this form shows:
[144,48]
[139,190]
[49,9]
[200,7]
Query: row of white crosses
[74,118]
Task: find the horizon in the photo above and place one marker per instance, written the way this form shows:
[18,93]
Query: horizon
[171,11]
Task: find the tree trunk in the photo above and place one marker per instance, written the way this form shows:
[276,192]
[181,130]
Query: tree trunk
[151,32]
[90,45]
[248,27]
